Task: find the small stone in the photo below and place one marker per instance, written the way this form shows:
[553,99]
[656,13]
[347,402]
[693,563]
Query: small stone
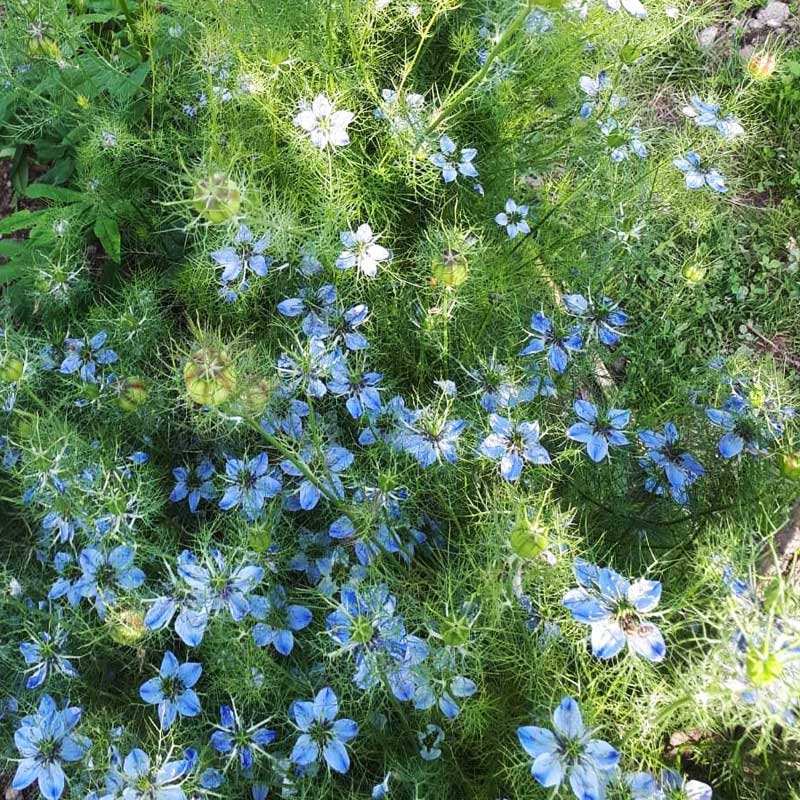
[774,15]
[707,36]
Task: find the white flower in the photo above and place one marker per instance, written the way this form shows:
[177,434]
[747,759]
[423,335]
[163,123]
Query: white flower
[324,125]
[633,7]
[362,251]
[513,219]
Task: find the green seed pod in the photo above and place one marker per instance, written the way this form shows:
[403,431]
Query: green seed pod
[209,376]
[12,370]
[527,539]
[762,668]
[216,198]
[789,465]
[450,269]
[126,626]
[132,393]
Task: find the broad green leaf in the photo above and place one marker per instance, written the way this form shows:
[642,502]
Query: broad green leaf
[107,231]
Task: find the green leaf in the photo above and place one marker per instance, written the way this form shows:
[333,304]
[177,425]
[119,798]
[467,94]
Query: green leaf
[44,191]
[9,272]
[18,221]
[107,231]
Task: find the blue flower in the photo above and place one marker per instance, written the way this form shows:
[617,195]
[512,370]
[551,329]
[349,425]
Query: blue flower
[68,583]
[231,738]
[44,741]
[250,485]
[596,89]
[546,340]
[237,259]
[615,609]
[308,369]
[514,219]
[359,388]
[512,444]
[380,791]
[696,176]
[449,167]
[221,586]
[622,142]
[172,690]
[325,463]
[281,620]
[443,693]
[196,484]
[102,572]
[430,742]
[431,440]
[284,414]
[671,785]
[83,357]
[569,752]
[320,730]
[45,656]
[140,780]
[603,316]
[681,469]
[742,431]
[192,613]
[494,385]
[707,115]
[599,431]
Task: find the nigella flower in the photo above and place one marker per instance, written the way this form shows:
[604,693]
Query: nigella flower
[697,176]
[83,356]
[45,740]
[324,124]
[707,115]
[284,414]
[387,424]
[190,607]
[494,385]
[250,485]
[597,88]
[44,655]
[634,7]
[403,112]
[615,609]
[325,464]
[602,316]
[361,251]
[513,444]
[195,483]
[243,256]
[430,742]
[681,469]
[599,430]
[450,168]
[443,693]
[282,619]
[431,440]
[220,585]
[231,737]
[645,786]
[569,752]
[308,369]
[172,690]
[320,730]
[68,582]
[742,431]
[380,791]
[360,388]
[622,143]
[546,340]
[102,572]
[513,219]
[142,780]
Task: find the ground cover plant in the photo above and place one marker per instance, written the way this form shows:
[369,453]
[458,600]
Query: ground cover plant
[398,399]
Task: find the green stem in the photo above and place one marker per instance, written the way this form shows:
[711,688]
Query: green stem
[130,22]
[466,91]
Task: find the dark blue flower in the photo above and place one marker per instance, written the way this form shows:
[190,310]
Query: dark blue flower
[429,439]
[44,654]
[232,738]
[321,731]
[359,388]
[102,573]
[83,357]
[325,463]
[603,317]
[195,483]
[681,469]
